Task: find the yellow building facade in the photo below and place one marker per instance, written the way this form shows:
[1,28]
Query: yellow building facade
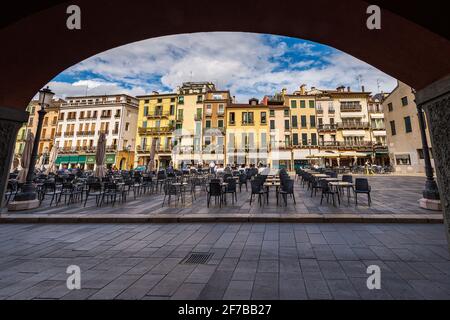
[156,125]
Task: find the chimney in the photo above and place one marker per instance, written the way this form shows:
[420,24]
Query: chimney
[155,92]
[340,89]
[348,89]
[302,89]
[363,89]
[234,99]
[253,101]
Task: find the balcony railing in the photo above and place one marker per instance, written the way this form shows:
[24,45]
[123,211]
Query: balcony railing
[351,108]
[319,110]
[103,131]
[326,127]
[105,116]
[69,134]
[156,130]
[158,114]
[353,125]
[247,123]
[115,132]
[198,117]
[220,113]
[379,127]
[71,119]
[331,110]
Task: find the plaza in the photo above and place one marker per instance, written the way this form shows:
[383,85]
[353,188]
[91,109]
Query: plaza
[247,261]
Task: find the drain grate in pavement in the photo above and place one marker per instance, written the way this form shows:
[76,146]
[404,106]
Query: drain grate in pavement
[197,258]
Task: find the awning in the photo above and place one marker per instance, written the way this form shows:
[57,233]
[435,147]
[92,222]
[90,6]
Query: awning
[90,159]
[62,159]
[82,159]
[73,159]
[110,158]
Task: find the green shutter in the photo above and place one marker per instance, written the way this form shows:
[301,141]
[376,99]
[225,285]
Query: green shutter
[293,104]
[302,104]
[90,159]
[82,159]
[311,103]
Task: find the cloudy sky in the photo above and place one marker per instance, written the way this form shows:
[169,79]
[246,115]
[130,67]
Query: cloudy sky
[250,65]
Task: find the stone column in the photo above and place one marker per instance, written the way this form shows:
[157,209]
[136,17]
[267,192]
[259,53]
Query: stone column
[10,122]
[435,100]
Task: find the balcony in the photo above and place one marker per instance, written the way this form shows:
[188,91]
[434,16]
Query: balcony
[319,110]
[208,113]
[247,123]
[326,127]
[58,134]
[117,115]
[220,113]
[115,132]
[81,133]
[157,115]
[231,122]
[331,110]
[351,108]
[105,116]
[69,134]
[71,119]
[198,117]
[46,138]
[378,127]
[156,131]
[353,125]
[106,132]
[179,119]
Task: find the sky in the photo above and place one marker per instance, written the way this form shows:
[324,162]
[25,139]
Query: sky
[247,64]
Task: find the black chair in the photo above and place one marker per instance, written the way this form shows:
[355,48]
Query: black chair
[214,190]
[314,186]
[288,189]
[147,184]
[94,189]
[169,191]
[257,189]
[243,181]
[71,191]
[231,188]
[347,178]
[362,186]
[333,174]
[111,192]
[327,191]
[50,188]
[11,191]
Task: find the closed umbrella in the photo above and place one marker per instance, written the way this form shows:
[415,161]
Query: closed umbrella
[52,160]
[151,162]
[100,156]
[26,158]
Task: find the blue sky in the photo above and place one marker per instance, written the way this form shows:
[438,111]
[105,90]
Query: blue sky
[248,64]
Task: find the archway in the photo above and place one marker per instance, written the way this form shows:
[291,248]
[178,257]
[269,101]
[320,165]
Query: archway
[404,47]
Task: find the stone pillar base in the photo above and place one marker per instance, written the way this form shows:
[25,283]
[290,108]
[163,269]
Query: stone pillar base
[23,205]
[434,205]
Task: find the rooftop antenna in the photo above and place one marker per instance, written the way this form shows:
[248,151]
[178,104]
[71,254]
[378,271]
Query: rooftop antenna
[359,78]
[378,85]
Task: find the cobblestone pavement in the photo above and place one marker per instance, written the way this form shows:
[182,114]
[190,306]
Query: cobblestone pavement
[390,195]
[249,261]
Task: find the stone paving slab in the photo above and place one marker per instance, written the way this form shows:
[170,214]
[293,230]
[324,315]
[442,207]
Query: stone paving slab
[249,261]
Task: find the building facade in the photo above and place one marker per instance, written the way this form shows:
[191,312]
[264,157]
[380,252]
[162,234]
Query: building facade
[81,121]
[156,125]
[403,132]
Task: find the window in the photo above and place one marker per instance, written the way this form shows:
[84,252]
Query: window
[294,122]
[311,103]
[295,139]
[180,114]
[272,113]
[403,159]
[145,111]
[127,126]
[302,104]
[404,101]
[159,100]
[250,117]
[390,107]
[244,118]
[208,124]
[408,127]
[172,109]
[293,104]
[146,101]
[263,117]
[144,124]
[313,139]
[172,99]
[286,124]
[221,108]
[420,153]
[220,123]
[304,139]
[303,121]
[232,118]
[181,100]
[320,120]
[286,112]
[272,124]
[312,121]
[287,141]
[393,131]
[199,98]
[331,120]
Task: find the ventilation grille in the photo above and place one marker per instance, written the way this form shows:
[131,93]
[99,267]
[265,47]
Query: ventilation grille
[197,258]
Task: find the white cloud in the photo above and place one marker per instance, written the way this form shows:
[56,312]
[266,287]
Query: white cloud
[247,64]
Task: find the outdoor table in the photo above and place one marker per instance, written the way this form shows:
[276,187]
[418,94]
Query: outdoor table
[331,179]
[342,184]
[269,185]
[320,175]
[181,186]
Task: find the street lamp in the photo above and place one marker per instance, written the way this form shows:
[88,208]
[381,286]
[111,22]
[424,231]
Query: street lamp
[28,192]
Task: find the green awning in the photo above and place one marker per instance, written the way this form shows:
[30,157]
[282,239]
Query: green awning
[82,159]
[73,159]
[90,159]
[62,159]
[382,152]
[110,158]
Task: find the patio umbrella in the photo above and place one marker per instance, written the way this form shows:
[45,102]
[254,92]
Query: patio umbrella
[151,161]
[100,156]
[52,160]
[26,158]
